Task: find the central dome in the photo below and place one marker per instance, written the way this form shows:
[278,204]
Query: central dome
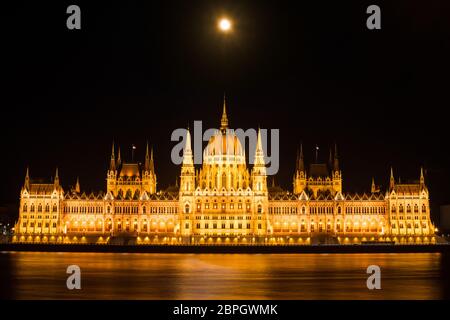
[224,146]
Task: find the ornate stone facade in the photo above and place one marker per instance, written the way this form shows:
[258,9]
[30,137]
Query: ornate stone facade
[224,202]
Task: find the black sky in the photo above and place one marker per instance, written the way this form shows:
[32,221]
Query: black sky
[136,71]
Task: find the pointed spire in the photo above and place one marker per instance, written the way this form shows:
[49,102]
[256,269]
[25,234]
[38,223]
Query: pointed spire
[392,179]
[336,158]
[373,188]
[26,184]
[147,159]
[187,153]
[112,164]
[259,153]
[119,158]
[77,185]
[224,120]
[301,163]
[152,163]
[56,181]
[422,177]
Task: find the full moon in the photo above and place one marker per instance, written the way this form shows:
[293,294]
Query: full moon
[224,25]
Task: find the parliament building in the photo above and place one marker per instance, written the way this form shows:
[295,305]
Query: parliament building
[223,202]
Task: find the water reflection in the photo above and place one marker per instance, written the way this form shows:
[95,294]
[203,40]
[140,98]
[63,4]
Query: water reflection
[34,275]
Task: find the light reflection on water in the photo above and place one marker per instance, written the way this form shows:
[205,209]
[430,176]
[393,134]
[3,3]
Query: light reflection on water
[34,275]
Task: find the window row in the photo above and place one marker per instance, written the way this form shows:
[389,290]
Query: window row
[401,209]
[223,226]
[39,208]
[39,225]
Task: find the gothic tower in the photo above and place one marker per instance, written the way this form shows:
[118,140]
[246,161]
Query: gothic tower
[111,176]
[300,173]
[149,175]
[187,187]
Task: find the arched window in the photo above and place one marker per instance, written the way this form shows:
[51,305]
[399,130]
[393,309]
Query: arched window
[424,209]
[394,210]
[144,209]
[186,208]
[339,210]
[32,208]
[408,208]
[259,208]
[128,195]
[47,208]
[303,210]
[416,208]
[55,208]
[39,208]
[400,209]
[25,208]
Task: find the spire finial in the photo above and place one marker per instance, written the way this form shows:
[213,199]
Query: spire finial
[152,164]
[392,179]
[259,153]
[301,163]
[187,152]
[56,181]
[112,163]
[336,158]
[373,188]
[77,185]
[27,179]
[422,177]
[224,120]
[147,159]
[112,152]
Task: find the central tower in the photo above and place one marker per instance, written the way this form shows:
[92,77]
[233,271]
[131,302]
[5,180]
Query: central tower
[224,164]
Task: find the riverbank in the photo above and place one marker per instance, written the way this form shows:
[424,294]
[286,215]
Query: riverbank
[361,248]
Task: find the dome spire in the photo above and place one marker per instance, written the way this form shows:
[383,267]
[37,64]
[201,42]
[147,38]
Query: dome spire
[224,120]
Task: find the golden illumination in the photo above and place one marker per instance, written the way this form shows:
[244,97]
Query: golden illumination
[223,201]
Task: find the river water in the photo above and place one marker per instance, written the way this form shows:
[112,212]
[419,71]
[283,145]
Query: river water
[39,275]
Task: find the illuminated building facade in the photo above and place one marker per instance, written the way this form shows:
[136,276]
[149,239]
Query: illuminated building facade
[223,203]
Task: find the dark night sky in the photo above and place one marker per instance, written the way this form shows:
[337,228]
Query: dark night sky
[138,71]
